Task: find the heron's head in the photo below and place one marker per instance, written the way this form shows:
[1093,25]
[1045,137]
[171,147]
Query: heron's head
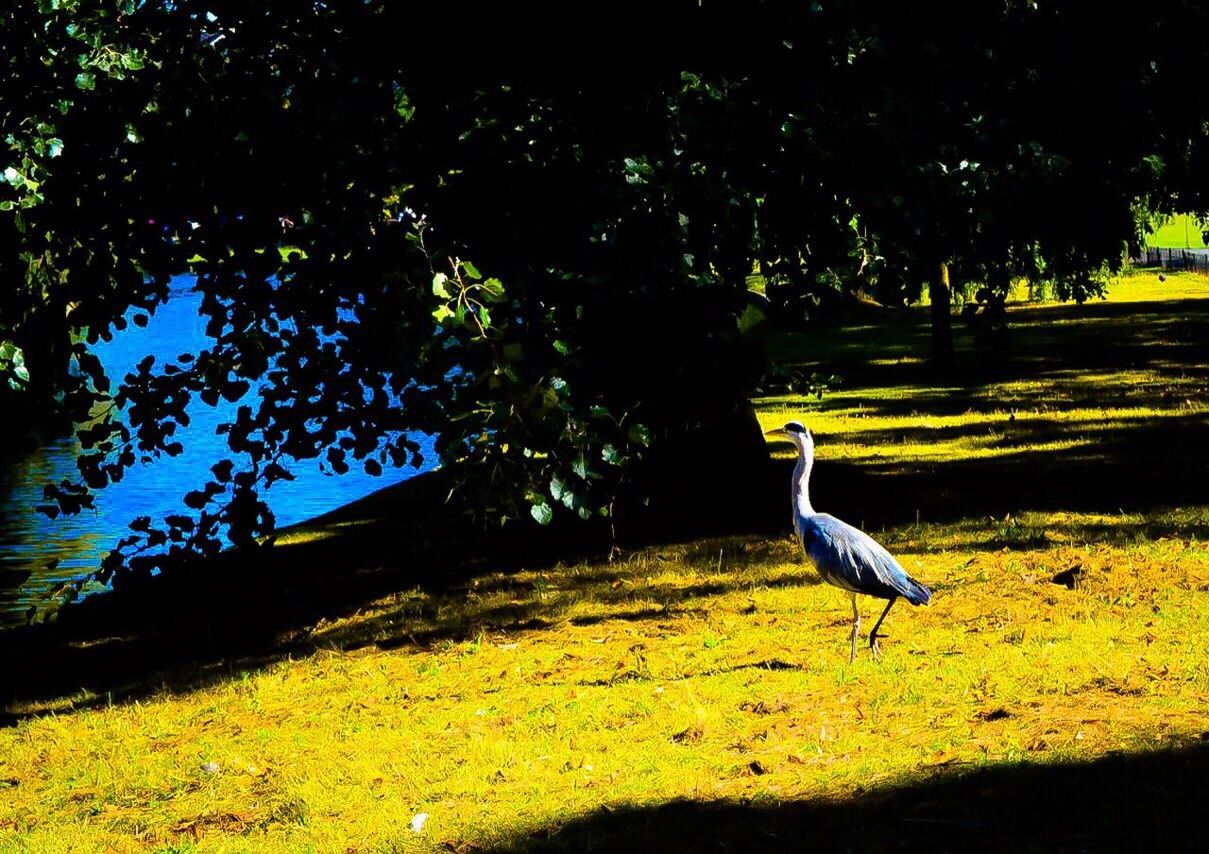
[794,431]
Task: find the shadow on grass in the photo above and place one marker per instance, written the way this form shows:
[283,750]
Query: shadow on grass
[245,611]
[1138,802]
[1137,466]
[203,623]
[242,613]
[1076,346]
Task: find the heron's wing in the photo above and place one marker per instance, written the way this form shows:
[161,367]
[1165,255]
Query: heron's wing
[849,558]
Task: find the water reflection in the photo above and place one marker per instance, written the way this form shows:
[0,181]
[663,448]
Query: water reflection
[37,553]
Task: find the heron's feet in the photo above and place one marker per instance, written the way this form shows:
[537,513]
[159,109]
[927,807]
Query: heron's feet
[875,646]
[856,632]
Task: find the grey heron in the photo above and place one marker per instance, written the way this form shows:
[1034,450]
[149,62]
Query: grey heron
[844,556]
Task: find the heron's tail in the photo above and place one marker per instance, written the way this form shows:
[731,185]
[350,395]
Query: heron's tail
[916,593]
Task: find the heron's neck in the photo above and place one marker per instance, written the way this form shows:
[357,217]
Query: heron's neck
[801,481]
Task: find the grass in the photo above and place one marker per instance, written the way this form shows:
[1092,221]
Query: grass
[692,694]
[1180,231]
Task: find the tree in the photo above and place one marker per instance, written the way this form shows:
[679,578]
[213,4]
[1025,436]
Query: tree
[375,328]
[72,72]
[988,142]
[526,231]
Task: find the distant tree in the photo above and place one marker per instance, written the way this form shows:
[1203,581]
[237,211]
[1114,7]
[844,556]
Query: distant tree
[993,141]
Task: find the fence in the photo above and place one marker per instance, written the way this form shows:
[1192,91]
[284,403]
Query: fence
[1192,260]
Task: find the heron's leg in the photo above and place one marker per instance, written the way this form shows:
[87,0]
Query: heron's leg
[856,629]
[873,636]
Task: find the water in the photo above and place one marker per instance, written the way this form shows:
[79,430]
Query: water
[36,553]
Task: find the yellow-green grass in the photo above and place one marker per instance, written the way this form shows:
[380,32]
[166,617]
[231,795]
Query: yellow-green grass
[1147,287]
[1074,378]
[663,676]
[1180,231]
[714,670]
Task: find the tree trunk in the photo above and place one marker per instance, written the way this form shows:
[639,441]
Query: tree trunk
[710,478]
[941,295]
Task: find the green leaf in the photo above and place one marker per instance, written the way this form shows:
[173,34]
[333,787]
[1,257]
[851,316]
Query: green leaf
[750,318]
[580,467]
[639,433]
[542,513]
[471,271]
[562,346]
[440,286]
[492,290]
[442,313]
[610,454]
[639,167]
[557,488]
[86,81]
[403,106]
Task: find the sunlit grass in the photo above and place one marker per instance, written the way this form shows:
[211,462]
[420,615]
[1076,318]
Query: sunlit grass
[670,674]
[1145,286]
[715,669]
[889,412]
[1178,232]
[853,434]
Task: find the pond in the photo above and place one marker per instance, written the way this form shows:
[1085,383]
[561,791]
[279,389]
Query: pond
[37,553]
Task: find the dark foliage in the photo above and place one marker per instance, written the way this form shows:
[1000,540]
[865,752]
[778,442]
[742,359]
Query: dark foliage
[615,172]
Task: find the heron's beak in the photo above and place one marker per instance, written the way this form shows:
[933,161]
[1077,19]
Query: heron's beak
[776,431]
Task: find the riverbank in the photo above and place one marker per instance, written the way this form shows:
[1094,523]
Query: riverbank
[686,694]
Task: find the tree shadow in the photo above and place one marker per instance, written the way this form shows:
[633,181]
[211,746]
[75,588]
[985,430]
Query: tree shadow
[204,621]
[1076,346]
[207,621]
[1124,802]
[1133,467]
[243,611]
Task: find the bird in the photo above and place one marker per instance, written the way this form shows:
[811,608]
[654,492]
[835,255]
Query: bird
[843,555]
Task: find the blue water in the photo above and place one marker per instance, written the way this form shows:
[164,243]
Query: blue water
[36,553]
